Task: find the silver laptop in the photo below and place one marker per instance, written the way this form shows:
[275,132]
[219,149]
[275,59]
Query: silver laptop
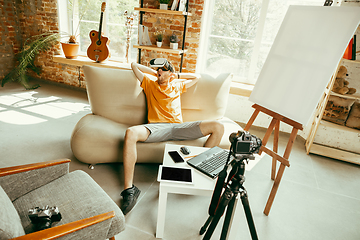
[211,162]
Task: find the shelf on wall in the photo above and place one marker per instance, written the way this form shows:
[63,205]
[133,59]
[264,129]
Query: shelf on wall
[349,60]
[355,96]
[340,152]
[153,10]
[321,130]
[161,49]
[338,127]
[166,49]
[335,153]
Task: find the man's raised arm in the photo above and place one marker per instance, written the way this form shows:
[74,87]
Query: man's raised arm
[139,70]
[190,78]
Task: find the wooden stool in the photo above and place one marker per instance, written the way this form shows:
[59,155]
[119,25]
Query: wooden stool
[275,123]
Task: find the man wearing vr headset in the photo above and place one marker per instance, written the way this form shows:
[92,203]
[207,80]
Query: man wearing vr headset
[162,88]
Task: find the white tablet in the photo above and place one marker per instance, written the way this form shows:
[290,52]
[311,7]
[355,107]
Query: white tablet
[175,174]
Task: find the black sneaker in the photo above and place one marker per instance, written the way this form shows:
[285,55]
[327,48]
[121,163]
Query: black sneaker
[130,196]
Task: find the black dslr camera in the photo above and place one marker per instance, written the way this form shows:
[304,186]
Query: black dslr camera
[42,218]
[243,142]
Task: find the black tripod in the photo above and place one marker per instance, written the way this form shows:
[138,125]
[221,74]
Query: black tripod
[233,187]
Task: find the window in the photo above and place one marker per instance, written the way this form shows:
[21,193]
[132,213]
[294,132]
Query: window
[82,16]
[237,35]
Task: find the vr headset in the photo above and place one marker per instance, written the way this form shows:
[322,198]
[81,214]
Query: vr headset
[161,63]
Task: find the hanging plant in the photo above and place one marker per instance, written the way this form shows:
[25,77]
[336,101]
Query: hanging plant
[26,57]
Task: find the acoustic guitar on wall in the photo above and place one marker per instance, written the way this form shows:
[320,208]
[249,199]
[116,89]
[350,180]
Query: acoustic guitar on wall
[98,49]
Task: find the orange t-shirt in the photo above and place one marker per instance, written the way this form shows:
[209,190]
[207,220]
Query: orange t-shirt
[163,103]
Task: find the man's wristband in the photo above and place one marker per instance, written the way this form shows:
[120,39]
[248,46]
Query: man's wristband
[178,76]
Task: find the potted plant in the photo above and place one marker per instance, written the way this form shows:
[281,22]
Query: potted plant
[71,47]
[159,38]
[174,41]
[26,57]
[164,4]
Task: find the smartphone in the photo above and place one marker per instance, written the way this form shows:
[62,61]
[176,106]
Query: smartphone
[176,156]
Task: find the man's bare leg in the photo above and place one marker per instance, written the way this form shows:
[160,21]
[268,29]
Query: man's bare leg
[216,131]
[131,193]
[132,136]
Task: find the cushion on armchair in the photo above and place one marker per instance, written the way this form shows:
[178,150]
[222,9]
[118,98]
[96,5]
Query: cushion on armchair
[14,186]
[77,196]
[10,223]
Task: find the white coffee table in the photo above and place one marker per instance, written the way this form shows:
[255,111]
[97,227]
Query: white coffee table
[203,185]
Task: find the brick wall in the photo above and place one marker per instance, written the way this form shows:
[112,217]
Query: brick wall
[10,36]
[23,18]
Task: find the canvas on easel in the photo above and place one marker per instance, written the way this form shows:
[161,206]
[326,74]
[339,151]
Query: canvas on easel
[305,53]
[299,66]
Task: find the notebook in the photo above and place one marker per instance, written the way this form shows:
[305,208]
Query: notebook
[210,162]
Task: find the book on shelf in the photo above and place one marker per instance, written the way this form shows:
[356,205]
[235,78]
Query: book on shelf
[174,5]
[182,5]
[144,38]
[354,48]
[348,54]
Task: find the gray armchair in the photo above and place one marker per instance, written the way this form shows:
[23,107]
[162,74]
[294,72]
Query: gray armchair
[87,211]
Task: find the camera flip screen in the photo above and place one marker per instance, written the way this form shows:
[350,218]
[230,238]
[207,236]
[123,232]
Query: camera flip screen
[243,147]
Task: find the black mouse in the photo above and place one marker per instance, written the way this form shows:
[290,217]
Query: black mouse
[185,150]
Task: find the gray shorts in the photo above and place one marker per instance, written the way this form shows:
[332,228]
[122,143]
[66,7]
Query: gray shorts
[160,132]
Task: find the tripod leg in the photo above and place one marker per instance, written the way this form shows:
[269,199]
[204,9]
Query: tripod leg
[227,195]
[228,218]
[208,221]
[249,218]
